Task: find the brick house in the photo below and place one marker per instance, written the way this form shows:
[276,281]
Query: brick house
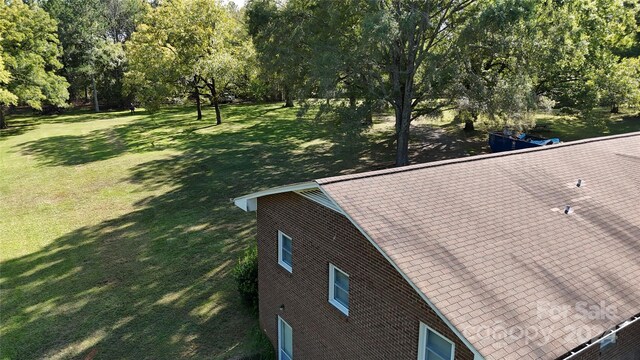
[531,254]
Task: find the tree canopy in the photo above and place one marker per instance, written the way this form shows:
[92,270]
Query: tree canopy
[192,47]
[92,33]
[29,58]
[500,58]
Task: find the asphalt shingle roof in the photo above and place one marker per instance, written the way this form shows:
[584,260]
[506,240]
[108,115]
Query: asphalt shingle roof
[487,241]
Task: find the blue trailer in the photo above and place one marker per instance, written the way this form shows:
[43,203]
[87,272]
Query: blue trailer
[504,142]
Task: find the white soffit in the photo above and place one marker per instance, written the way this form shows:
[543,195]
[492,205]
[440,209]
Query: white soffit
[318,196]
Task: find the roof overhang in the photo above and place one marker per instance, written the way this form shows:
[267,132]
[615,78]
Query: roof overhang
[250,202]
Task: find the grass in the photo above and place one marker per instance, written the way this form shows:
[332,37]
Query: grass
[118,237]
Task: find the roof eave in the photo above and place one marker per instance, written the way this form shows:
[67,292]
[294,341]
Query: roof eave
[250,202]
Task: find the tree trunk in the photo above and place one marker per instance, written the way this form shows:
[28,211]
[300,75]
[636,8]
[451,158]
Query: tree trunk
[368,113]
[403,119]
[196,93]
[86,94]
[95,94]
[615,108]
[214,100]
[403,86]
[218,116]
[468,126]
[368,120]
[288,97]
[3,123]
[352,101]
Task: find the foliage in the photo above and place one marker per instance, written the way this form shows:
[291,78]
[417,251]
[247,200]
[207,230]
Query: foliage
[92,33]
[280,35]
[520,55]
[494,78]
[619,84]
[187,47]
[246,275]
[29,51]
[264,346]
[6,97]
[413,62]
[579,40]
[499,58]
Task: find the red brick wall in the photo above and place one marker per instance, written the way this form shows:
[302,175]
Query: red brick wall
[626,347]
[384,310]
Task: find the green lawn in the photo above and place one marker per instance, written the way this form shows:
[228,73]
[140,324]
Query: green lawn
[118,237]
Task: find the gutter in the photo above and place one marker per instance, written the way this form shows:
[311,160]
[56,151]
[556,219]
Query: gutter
[582,348]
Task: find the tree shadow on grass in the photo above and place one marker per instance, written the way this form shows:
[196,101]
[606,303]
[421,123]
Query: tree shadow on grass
[69,150]
[151,284]
[15,130]
[156,283]
[600,123]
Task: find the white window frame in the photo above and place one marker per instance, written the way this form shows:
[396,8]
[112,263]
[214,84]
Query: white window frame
[288,267]
[332,299]
[280,323]
[422,342]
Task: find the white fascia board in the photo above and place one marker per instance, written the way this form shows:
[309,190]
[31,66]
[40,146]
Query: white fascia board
[476,353]
[250,202]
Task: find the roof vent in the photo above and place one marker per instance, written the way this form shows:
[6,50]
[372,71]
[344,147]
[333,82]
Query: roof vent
[568,210]
[579,183]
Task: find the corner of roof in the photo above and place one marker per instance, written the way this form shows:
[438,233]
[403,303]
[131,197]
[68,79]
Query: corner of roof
[249,202]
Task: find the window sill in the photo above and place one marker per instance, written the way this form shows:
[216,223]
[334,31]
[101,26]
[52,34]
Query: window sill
[286,267]
[343,310]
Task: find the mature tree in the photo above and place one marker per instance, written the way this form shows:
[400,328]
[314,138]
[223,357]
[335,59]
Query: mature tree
[186,47]
[7,98]
[518,55]
[575,40]
[494,77]
[341,66]
[499,58]
[619,84]
[280,36]
[397,50]
[91,33]
[81,26]
[29,51]
[413,43]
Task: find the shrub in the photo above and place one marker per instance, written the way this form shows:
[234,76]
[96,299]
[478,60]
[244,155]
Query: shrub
[246,275]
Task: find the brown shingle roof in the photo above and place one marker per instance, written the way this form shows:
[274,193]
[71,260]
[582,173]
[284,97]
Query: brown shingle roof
[486,239]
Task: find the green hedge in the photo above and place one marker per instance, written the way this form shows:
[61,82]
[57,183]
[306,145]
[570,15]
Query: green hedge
[246,275]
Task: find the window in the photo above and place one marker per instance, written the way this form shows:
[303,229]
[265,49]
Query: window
[607,341]
[339,289]
[284,251]
[433,346]
[285,340]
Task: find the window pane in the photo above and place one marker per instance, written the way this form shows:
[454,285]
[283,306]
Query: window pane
[341,296]
[341,280]
[433,356]
[286,342]
[286,243]
[438,345]
[286,257]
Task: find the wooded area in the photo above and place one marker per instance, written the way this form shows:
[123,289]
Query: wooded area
[496,59]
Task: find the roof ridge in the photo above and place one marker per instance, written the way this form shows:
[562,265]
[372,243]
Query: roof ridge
[375,173]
